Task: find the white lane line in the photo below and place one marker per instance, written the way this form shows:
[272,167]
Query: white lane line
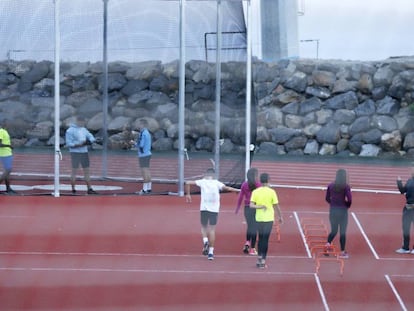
[403,275]
[407,258]
[323,188]
[17,187]
[321,292]
[133,255]
[302,234]
[365,236]
[218,272]
[394,290]
[379,213]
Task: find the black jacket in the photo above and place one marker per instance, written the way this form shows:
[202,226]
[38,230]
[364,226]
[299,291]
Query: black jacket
[408,189]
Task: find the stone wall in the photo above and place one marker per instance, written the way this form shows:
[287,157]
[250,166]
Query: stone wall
[302,106]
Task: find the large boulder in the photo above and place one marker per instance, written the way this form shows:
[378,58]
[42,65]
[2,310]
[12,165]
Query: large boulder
[329,134]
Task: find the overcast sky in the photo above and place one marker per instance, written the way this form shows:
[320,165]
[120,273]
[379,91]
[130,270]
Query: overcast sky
[357,29]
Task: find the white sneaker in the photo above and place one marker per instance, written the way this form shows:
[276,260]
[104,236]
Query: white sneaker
[403,251]
[344,255]
[412,252]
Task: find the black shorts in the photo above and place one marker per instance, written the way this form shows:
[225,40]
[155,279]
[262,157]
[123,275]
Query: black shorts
[144,161]
[80,158]
[208,218]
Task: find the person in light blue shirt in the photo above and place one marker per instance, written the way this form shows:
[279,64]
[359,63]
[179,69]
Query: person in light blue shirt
[78,138]
[143,145]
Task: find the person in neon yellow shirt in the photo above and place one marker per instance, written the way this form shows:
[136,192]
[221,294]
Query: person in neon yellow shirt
[264,199]
[6,157]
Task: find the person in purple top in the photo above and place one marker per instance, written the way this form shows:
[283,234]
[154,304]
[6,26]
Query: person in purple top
[249,213]
[339,197]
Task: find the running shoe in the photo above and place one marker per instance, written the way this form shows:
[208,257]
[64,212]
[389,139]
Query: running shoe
[402,251]
[91,191]
[253,251]
[261,264]
[246,248]
[328,248]
[142,192]
[10,192]
[205,249]
[412,252]
[343,255]
[210,256]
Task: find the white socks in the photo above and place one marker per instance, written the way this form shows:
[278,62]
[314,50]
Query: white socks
[147,186]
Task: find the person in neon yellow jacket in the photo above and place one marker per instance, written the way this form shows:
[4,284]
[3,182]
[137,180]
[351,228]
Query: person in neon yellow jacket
[6,156]
[264,199]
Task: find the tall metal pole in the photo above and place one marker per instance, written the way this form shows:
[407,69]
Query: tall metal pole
[218,91]
[105,90]
[58,154]
[248,84]
[181,107]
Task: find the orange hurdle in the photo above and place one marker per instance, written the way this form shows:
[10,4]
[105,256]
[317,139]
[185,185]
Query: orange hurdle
[276,226]
[334,257]
[316,232]
[314,226]
[311,220]
[321,248]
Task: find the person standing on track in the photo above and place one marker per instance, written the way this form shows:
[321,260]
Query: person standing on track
[249,213]
[265,200]
[78,138]
[209,207]
[339,196]
[143,145]
[6,156]
[408,211]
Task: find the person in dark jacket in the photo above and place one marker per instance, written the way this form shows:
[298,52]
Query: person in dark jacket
[339,197]
[249,213]
[408,212]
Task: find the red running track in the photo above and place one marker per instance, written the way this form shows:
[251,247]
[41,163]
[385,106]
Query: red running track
[143,252]
[374,177]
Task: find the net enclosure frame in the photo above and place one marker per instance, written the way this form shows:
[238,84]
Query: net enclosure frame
[247,5]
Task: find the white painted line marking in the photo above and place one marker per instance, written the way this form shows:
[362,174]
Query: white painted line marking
[17,188]
[302,234]
[79,187]
[394,290]
[321,292]
[407,257]
[380,213]
[260,272]
[365,236]
[134,255]
[403,275]
[322,188]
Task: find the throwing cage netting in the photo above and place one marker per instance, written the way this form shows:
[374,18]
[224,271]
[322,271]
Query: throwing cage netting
[101,36]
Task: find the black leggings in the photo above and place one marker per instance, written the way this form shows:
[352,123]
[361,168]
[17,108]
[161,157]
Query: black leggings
[265,229]
[407,220]
[338,217]
[251,232]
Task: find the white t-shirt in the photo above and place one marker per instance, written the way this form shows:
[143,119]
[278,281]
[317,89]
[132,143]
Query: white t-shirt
[210,194]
